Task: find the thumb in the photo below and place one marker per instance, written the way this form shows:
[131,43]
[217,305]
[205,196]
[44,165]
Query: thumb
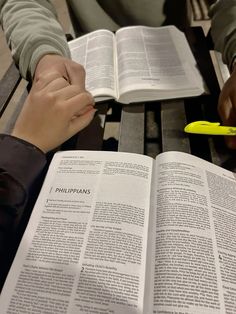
[228,116]
[225,109]
[76,74]
[79,123]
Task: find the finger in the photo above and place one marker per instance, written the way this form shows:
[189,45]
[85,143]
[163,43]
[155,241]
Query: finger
[76,74]
[45,78]
[79,103]
[224,109]
[56,85]
[233,102]
[68,91]
[227,113]
[231,120]
[227,110]
[82,111]
[81,122]
[74,101]
[230,142]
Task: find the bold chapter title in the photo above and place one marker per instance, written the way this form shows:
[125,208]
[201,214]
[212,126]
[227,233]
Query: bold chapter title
[72,191]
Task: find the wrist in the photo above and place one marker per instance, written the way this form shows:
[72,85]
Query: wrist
[46,61]
[39,53]
[23,141]
[27,140]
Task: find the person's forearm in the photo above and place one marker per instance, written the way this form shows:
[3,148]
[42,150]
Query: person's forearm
[20,166]
[32,30]
[20,163]
[223,29]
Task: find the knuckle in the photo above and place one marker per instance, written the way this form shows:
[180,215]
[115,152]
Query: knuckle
[79,68]
[49,97]
[87,98]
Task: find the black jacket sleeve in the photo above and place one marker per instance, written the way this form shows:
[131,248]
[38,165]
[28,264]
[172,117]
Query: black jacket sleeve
[20,165]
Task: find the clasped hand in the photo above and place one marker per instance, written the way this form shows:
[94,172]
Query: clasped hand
[57,107]
[227,107]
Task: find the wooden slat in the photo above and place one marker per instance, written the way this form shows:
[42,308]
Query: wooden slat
[131,137]
[13,108]
[209,148]
[173,121]
[152,129]
[221,155]
[200,9]
[221,68]
[91,138]
[8,85]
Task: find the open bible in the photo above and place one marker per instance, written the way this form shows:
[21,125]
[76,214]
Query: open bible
[137,64]
[124,233]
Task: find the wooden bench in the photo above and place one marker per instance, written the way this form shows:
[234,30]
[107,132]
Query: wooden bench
[148,128]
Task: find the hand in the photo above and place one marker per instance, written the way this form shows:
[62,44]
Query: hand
[64,66]
[227,107]
[54,111]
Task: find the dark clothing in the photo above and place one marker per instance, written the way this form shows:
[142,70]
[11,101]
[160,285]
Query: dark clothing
[20,165]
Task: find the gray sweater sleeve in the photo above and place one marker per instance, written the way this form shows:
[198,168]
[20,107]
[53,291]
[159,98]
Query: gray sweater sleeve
[223,28]
[32,30]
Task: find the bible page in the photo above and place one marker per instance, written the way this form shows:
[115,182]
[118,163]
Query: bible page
[84,249]
[155,59]
[195,252]
[95,52]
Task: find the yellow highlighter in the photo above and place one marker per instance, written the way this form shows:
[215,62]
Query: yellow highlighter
[209,128]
